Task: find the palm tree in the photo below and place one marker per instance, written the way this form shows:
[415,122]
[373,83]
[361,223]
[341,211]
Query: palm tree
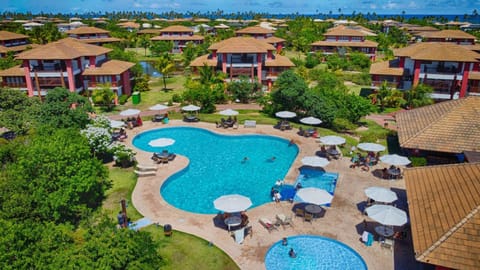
[166,66]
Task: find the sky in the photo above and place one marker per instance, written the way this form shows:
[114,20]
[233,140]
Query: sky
[347,7]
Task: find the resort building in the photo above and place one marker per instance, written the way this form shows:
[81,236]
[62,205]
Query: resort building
[64,27]
[444,203]
[262,33]
[441,132]
[129,26]
[452,70]
[455,36]
[12,42]
[92,35]
[345,39]
[71,64]
[179,35]
[245,56]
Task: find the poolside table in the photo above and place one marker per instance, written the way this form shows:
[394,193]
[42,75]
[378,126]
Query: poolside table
[233,221]
[394,173]
[313,209]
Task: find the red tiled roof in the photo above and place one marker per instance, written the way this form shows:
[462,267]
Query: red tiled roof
[444,207]
[168,38]
[241,45]
[67,48]
[255,30]
[111,67]
[279,61]
[16,71]
[366,43]
[438,51]
[177,29]
[87,30]
[203,60]
[6,35]
[384,68]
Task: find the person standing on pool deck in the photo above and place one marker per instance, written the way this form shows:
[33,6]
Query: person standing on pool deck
[284,241]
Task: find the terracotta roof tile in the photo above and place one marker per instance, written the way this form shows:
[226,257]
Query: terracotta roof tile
[99,40]
[343,30]
[438,51]
[444,207]
[111,67]
[149,31]
[19,48]
[254,30]
[168,38]
[450,126]
[446,34]
[67,48]
[17,71]
[366,43]
[202,60]
[279,61]
[241,45]
[6,35]
[273,39]
[176,28]
[129,25]
[386,68]
[87,30]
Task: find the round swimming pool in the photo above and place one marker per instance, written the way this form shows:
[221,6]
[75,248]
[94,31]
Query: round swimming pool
[217,166]
[313,253]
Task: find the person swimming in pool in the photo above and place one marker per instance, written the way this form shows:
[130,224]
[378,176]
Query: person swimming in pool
[272,159]
[284,241]
[245,159]
[292,253]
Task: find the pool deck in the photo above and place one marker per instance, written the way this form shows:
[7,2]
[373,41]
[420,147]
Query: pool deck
[343,221]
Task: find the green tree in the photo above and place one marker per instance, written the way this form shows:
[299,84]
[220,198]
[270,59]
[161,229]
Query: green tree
[9,61]
[289,92]
[57,109]
[103,96]
[189,53]
[18,111]
[158,48]
[144,42]
[164,65]
[244,90]
[419,96]
[53,178]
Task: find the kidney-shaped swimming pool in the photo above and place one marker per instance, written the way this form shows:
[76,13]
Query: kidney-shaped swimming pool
[217,166]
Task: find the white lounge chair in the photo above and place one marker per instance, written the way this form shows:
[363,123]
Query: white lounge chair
[141,167]
[145,173]
[239,235]
[267,224]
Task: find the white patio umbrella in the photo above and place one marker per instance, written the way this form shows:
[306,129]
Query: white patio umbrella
[232,203]
[311,120]
[371,147]
[116,124]
[285,114]
[381,194]
[129,112]
[190,108]
[387,215]
[395,160]
[314,195]
[332,140]
[315,161]
[158,107]
[161,142]
[228,112]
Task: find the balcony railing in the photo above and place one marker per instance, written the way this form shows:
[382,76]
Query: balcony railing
[14,85]
[99,84]
[50,81]
[474,89]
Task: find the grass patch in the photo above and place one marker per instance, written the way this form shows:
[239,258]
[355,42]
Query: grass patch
[123,182]
[186,251]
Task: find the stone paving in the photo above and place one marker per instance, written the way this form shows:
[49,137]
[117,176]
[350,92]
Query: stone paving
[343,221]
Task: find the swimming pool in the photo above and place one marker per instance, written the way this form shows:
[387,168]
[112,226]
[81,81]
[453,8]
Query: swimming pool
[313,253]
[312,177]
[216,166]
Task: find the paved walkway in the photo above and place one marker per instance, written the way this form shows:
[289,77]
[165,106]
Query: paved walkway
[343,221]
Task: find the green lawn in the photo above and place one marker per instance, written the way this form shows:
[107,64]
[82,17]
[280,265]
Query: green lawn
[181,250]
[186,251]
[123,182]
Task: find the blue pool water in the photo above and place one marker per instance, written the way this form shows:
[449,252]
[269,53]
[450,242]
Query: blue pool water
[216,166]
[311,177]
[148,68]
[313,253]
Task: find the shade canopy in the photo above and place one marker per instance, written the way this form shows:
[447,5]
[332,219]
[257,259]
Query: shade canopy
[190,108]
[314,195]
[285,114]
[381,194]
[371,147]
[395,160]
[228,112]
[311,120]
[158,107]
[129,112]
[161,142]
[387,215]
[332,140]
[116,124]
[315,161]
[232,203]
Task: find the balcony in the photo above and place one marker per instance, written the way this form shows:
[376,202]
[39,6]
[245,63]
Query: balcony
[393,85]
[50,81]
[14,85]
[99,84]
